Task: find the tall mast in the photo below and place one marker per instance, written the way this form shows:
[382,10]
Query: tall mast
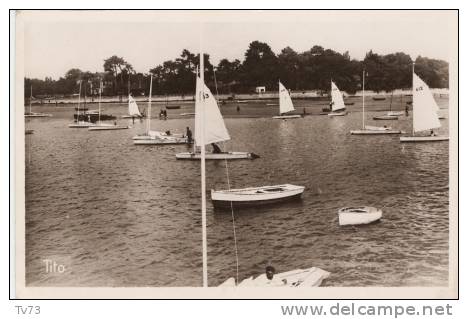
[412,81]
[148,116]
[202,150]
[100,89]
[78,108]
[30,98]
[363,88]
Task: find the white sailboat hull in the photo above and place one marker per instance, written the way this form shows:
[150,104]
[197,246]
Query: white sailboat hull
[386,117]
[285,117]
[107,127]
[338,113]
[169,140]
[376,130]
[358,215]
[256,195]
[37,115]
[415,139]
[81,125]
[216,156]
[395,113]
[311,277]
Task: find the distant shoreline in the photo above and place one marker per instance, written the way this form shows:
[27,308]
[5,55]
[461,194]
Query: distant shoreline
[312,95]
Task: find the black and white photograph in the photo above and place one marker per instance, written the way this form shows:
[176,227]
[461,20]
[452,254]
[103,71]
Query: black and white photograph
[237,152]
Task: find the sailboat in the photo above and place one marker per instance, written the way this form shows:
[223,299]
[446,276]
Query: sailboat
[133,109]
[285,104]
[367,129]
[425,115]
[155,137]
[391,115]
[206,111]
[32,114]
[100,126]
[77,123]
[338,107]
[212,127]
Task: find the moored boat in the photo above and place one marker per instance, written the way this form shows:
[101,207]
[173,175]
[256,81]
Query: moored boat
[216,156]
[358,215]
[385,117]
[256,195]
[378,98]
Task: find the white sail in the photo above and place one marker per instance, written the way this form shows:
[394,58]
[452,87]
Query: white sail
[133,107]
[285,102]
[337,98]
[424,107]
[215,130]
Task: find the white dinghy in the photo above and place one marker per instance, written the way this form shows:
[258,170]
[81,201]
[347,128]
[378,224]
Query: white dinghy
[100,126]
[425,115]
[311,277]
[338,108]
[255,195]
[204,111]
[285,104]
[367,129]
[213,128]
[358,215]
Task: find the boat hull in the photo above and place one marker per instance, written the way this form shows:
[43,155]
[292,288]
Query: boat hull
[343,113]
[255,196]
[386,117]
[375,132]
[310,277]
[358,215]
[216,156]
[419,139]
[395,113]
[81,125]
[161,141]
[37,115]
[108,128]
[285,117]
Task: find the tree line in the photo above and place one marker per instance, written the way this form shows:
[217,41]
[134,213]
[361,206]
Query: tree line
[309,70]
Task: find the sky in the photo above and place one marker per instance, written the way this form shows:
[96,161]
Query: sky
[56,41]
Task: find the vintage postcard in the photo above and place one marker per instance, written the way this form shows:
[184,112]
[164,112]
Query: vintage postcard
[235,154]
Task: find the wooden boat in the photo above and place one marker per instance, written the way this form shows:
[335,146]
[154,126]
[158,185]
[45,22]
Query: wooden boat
[285,105]
[358,215]
[81,124]
[378,98]
[395,113]
[367,129]
[28,132]
[338,107]
[385,117]
[348,103]
[253,196]
[425,113]
[216,156]
[311,277]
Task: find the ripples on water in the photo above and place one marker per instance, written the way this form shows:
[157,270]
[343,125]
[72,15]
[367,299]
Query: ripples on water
[116,214]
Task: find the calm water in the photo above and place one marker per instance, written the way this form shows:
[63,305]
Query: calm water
[116,214]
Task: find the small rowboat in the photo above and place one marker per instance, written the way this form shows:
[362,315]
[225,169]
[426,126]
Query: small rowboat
[27,132]
[107,127]
[339,113]
[172,107]
[386,117]
[285,117]
[358,215]
[311,277]
[32,114]
[416,139]
[216,156]
[80,124]
[378,98]
[395,113]
[253,196]
[376,130]
[348,103]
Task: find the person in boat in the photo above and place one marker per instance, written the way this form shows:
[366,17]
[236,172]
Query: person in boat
[406,110]
[238,108]
[189,135]
[432,133]
[216,149]
[270,275]
[168,132]
[304,111]
[115,123]
[165,114]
